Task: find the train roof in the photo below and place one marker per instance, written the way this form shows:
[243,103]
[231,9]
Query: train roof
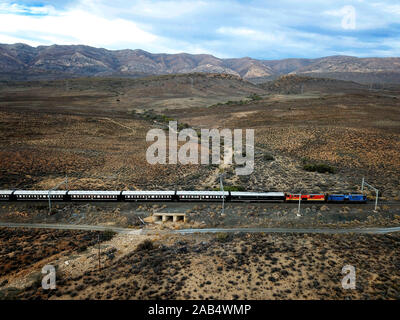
[306,194]
[6,192]
[40,192]
[202,193]
[148,192]
[91,192]
[258,194]
[346,194]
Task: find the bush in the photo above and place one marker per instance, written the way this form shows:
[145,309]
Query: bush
[145,245]
[318,167]
[82,249]
[182,126]
[107,235]
[254,97]
[222,236]
[268,157]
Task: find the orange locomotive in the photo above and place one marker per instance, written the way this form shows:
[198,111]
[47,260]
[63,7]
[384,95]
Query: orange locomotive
[305,197]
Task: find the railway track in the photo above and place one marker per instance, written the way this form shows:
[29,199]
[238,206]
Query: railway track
[84,227]
[376,230]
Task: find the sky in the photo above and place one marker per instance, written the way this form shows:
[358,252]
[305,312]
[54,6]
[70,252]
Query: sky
[224,28]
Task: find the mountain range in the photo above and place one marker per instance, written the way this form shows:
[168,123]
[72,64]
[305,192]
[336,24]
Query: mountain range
[23,62]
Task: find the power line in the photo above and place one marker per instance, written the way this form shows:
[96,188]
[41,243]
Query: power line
[375,189]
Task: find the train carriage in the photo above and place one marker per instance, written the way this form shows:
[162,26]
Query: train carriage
[84,195]
[148,195]
[27,195]
[202,195]
[6,195]
[258,196]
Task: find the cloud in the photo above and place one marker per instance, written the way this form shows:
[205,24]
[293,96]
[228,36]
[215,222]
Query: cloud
[247,33]
[72,26]
[15,8]
[10,39]
[225,28]
[166,9]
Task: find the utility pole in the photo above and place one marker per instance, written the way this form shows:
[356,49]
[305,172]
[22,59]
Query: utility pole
[298,210]
[98,242]
[223,195]
[364,183]
[56,187]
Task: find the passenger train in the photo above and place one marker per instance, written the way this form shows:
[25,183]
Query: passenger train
[183,196]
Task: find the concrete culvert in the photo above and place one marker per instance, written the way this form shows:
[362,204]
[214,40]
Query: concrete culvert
[157,218]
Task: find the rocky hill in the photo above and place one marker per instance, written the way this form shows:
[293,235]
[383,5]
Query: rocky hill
[294,84]
[23,62]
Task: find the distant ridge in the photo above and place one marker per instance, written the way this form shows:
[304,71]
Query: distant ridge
[23,62]
[295,84]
